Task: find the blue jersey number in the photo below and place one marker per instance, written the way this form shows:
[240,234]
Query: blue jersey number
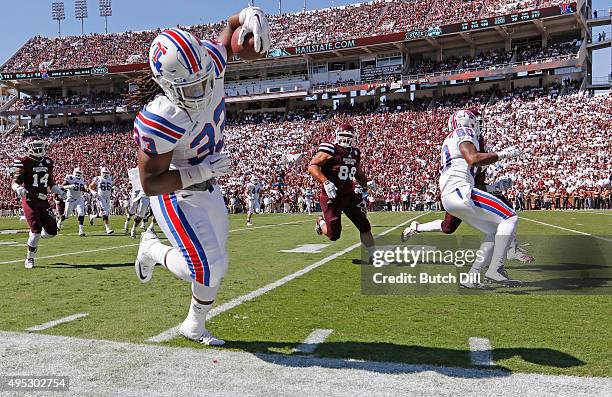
[208,134]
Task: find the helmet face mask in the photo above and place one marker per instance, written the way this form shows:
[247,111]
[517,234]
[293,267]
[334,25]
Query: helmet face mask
[345,136]
[183,68]
[466,118]
[78,173]
[36,148]
[104,172]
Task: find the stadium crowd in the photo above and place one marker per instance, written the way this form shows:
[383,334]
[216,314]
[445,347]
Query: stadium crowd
[566,138]
[291,29]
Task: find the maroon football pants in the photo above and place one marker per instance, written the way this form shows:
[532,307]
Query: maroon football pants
[38,215]
[353,208]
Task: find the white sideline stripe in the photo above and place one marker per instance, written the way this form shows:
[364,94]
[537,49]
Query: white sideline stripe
[568,230]
[172,332]
[136,245]
[480,352]
[313,341]
[53,323]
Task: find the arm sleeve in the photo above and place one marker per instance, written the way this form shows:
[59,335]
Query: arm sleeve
[326,148]
[156,129]
[218,53]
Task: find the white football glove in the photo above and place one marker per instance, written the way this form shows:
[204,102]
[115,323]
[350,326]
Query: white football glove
[330,189]
[254,20]
[59,191]
[509,152]
[213,167]
[19,190]
[372,186]
[502,185]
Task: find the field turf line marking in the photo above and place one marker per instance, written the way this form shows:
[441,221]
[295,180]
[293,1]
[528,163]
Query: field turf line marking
[53,323]
[136,245]
[568,230]
[172,332]
[313,341]
[480,352]
[73,253]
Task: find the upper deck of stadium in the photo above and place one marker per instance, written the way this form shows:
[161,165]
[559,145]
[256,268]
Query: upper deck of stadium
[346,30]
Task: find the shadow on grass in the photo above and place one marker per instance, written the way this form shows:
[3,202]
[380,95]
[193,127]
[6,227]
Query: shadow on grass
[96,266]
[390,358]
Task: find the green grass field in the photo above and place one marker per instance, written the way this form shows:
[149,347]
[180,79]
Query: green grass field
[545,333]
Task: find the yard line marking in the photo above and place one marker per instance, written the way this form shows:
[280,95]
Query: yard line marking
[172,332]
[53,323]
[568,230]
[136,245]
[313,341]
[73,253]
[480,352]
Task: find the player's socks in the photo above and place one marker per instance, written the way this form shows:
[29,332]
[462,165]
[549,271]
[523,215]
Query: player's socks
[81,231]
[194,326]
[433,226]
[125,225]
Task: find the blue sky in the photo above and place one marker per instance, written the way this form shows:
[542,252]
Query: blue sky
[25,18]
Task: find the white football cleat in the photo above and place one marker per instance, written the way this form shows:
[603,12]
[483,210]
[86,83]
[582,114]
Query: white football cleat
[82,234]
[249,224]
[501,277]
[29,263]
[318,228]
[410,231]
[110,231]
[520,255]
[125,227]
[133,233]
[145,263]
[204,337]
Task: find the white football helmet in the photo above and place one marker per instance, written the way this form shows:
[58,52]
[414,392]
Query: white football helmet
[77,173]
[254,179]
[36,148]
[104,172]
[345,135]
[183,68]
[465,118]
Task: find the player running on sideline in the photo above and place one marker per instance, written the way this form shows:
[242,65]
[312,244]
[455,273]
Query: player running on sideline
[180,136]
[252,191]
[32,179]
[460,155]
[101,188]
[75,187]
[335,166]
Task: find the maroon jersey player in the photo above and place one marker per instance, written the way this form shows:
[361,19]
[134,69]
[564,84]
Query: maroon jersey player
[336,165]
[33,178]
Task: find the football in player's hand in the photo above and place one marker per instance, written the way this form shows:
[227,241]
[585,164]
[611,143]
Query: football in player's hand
[246,51]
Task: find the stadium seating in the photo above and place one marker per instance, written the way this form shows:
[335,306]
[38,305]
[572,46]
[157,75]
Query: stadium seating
[566,138]
[352,21]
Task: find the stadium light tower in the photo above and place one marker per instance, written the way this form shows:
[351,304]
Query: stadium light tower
[58,14]
[280,7]
[106,11]
[80,12]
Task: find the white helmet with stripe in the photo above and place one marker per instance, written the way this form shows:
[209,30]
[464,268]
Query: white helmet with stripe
[104,172]
[464,118]
[183,68]
[77,173]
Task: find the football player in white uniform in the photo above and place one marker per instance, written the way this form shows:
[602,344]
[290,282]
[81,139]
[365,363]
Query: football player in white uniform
[308,200]
[460,155]
[75,186]
[138,205]
[101,188]
[180,138]
[253,188]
